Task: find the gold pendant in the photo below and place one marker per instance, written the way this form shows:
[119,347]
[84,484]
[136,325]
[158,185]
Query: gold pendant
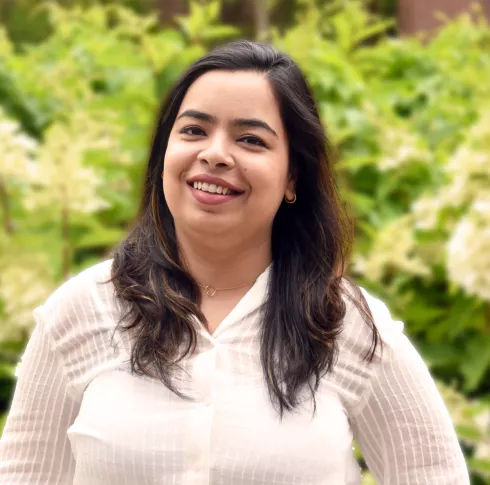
[210,291]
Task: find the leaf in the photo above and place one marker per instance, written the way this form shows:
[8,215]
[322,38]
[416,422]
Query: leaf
[476,362]
[482,467]
[17,103]
[361,202]
[214,8]
[3,419]
[374,30]
[468,433]
[439,353]
[220,32]
[356,162]
[7,370]
[101,237]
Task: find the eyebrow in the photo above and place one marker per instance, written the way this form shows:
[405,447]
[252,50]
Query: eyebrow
[192,113]
[240,122]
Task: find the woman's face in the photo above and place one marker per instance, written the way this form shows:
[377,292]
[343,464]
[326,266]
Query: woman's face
[226,165]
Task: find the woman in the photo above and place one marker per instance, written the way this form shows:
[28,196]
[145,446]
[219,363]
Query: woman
[226,347]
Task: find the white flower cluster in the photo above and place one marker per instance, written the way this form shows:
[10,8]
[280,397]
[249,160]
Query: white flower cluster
[469,175]
[24,284]
[401,148]
[62,178]
[18,150]
[395,248]
[467,192]
[426,212]
[468,251]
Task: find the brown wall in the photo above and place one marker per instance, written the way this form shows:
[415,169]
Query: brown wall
[419,15]
[168,9]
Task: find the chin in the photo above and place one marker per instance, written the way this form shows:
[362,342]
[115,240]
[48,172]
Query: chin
[210,223]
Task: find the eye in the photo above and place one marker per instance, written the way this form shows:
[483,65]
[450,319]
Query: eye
[253,140]
[192,131]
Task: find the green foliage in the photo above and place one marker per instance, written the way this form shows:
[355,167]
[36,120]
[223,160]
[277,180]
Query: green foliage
[28,24]
[409,120]
[201,26]
[2,421]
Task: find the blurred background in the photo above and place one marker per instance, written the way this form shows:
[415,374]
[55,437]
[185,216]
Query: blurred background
[403,87]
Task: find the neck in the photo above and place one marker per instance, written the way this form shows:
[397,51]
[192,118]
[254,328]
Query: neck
[224,264]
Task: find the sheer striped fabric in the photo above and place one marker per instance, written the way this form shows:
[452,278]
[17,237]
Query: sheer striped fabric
[79,417]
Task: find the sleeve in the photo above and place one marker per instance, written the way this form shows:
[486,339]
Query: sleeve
[34,449]
[402,424]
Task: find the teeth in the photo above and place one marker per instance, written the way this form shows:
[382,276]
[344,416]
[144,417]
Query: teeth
[211,188]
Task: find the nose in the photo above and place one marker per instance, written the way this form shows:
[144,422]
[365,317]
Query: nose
[217,154]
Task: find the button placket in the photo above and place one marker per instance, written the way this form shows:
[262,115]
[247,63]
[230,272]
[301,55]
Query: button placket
[203,378]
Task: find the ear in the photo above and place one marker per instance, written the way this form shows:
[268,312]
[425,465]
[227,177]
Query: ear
[290,189]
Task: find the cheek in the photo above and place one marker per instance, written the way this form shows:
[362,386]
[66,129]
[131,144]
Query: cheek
[177,157]
[269,179]
[178,160]
[170,177]
[268,182]
[174,169]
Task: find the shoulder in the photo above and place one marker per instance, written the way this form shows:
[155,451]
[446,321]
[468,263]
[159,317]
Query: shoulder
[83,294]
[80,288]
[353,371]
[81,317]
[356,327]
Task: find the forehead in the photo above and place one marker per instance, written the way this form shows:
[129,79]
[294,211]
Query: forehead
[228,94]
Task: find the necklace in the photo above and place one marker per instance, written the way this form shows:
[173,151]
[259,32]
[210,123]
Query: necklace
[211,290]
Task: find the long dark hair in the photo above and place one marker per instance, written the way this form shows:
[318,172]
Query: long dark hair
[304,309]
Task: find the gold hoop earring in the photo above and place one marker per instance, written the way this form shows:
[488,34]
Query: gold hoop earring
[292,201]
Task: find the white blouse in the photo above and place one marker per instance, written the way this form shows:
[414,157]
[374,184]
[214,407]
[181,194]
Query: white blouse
[79,417]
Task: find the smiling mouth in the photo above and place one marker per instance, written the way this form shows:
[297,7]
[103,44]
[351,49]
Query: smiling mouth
[212,188]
